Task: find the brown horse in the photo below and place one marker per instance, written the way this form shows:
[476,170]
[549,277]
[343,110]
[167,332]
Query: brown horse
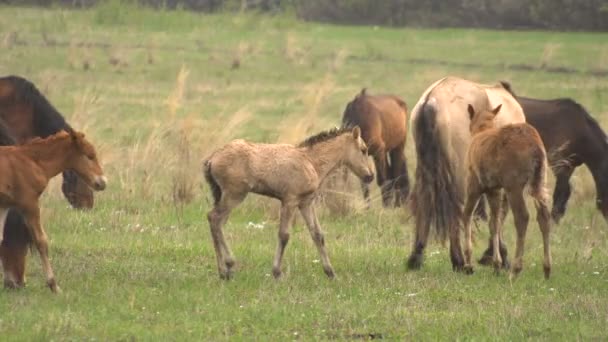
[26,170]
[511,158]
[291,174]
[383,123]
[27,115]
[440,126]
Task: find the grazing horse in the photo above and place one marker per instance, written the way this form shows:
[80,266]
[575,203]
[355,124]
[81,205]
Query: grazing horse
[440,126]
[28,114]
[291,174]
[511,158]
[26,170]
[383,123]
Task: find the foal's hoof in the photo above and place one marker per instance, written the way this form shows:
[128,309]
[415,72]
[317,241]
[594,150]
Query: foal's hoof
[10,284]
[414,262]
[547,271]
[226,275]
[330,273]
[468,269]
[53,286]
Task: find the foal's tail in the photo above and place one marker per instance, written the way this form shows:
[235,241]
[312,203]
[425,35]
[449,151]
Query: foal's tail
[537,183]
[435,199]
[216,191]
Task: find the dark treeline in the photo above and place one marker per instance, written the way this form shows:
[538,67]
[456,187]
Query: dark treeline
[591,15]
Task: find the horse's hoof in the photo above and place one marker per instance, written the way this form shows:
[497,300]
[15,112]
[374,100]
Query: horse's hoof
[53,286]
[506,264]
[230,263]
[468,269]
[276,273]
[9,284]
[414,262]
[486,259]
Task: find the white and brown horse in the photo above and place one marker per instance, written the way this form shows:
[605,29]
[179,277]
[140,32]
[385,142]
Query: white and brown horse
[440,124]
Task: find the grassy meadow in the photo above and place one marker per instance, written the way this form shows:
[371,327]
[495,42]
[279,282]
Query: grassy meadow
[157,91]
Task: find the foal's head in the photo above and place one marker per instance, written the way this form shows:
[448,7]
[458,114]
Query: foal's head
[357,157]
[482,120]
[83,160]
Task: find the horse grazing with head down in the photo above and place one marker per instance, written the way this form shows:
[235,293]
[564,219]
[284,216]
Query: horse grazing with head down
[291,174]
[28,114]
[383,123]
[26,170]
[440,124]
[510,158]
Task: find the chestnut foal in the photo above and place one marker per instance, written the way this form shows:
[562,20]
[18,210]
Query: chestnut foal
[26,170]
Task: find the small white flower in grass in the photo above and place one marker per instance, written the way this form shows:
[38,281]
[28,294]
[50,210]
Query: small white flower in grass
[267,274]
[434,253]
[241,306]
[596,273]
[551,289]
[253,225]
[295,333]
[316,261]
[412,294]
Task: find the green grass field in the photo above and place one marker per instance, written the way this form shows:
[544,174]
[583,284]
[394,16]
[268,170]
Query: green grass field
[157,91]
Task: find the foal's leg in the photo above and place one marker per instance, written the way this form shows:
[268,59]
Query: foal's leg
[473,195]
[32,219]
[217,217]
[487,258]
[310,217]
[521,218]
[544,223]
[562,191]
[495,227]
[287,211]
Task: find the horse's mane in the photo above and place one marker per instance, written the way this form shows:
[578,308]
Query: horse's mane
[6,138]
[47,120]
[324,136]
[44,141]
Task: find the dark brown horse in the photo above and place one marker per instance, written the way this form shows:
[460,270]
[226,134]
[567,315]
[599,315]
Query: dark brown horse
[28,114]
[383,123]
[26,170]
[572,137]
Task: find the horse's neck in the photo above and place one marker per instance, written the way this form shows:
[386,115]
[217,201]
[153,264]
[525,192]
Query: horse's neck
[326,156]
[51,156]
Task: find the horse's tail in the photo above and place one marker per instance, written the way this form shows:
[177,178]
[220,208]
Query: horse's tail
[435,199]
[216,191]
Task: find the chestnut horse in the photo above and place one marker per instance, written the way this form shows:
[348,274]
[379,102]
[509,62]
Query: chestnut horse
[291,174]
[26,170]
[28,114]
[440,124]
[383,123]
[509,158]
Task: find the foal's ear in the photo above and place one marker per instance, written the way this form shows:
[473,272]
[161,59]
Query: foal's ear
[471,111]
[497,109]
[356,132]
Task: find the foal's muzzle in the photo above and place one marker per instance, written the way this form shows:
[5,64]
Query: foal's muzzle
[100,183]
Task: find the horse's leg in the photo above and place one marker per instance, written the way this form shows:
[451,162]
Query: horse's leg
[13,262]
[398,174]
[287,211]
[217,217]
[562,191]
[473,195]
[365,191]
[310,217]
[3,214]
[544,222]
[381,175]
[31,215]
[521,218]
[495,228]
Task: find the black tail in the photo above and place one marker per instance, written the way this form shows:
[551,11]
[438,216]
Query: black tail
[216,191]
[435,199]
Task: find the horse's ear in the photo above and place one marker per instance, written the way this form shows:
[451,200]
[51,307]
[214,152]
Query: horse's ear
[471,111]
[497,109]
[356,132]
